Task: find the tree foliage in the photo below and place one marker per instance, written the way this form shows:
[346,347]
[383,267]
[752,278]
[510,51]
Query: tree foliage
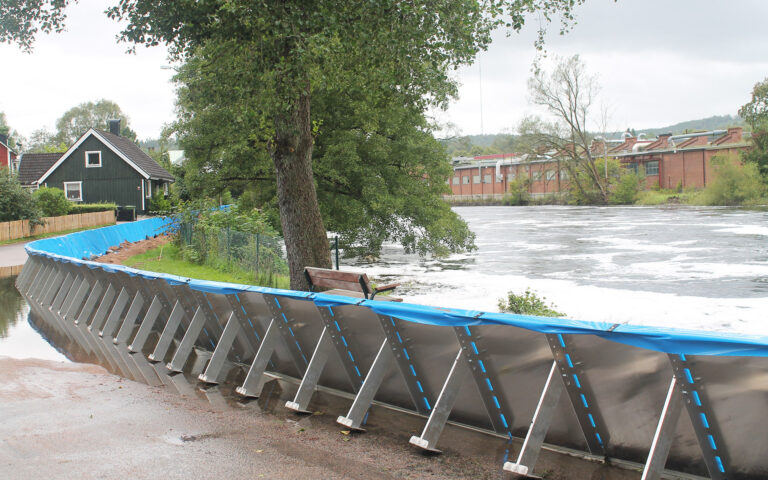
[755,113]
[77,120]
[52,201]
[16,203]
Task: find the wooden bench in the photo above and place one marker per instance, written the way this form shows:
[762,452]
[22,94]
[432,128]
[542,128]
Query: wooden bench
[350,284]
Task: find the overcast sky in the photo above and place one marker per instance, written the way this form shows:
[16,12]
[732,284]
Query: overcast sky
[658,61]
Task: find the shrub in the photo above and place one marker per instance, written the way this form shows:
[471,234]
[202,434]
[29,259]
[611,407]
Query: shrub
[160,204]
[16,203]
[733,184]
[52,201]
[528,304]
[518,192]
[625,192]
[91,207]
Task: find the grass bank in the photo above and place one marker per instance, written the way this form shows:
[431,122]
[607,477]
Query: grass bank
[168,259]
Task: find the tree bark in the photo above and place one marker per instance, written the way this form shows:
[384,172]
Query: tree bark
[305,236]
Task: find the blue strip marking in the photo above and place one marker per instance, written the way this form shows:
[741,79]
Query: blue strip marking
[696,398]
[277,302]
[413,371]
[584,401]
[212,345]
[285,319]
[426,402]
[302,355]
[719,463]
[350,355]
[682,357]
[599,439]
[703,418]
[337,325]
[393,321]
[474,347]
[688,375]
[399,338]
[591,420]
[576,380]
[510,435]
[250,323]
[357,370]
[418,385]
[330,309]
[712,442]
[365,419]
[405,352]
[297,344]
[568,359]
[344,341]
[496,402]
[482,365]
[504,420]
[291,330]
[206,331]
[466,329]
[488,382]
[562,340]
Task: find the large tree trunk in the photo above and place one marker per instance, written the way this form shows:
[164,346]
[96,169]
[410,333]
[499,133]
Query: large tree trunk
[305,237]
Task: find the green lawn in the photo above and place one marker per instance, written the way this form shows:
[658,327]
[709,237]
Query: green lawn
[168,259]
[52,234]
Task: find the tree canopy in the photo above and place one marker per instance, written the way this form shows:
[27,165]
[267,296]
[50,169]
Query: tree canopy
[78,119]
[755,113]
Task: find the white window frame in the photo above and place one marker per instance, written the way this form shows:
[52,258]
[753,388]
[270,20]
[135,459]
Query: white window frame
[475,179]
[165,188]
[66,191]
[87,165]
[148,188]
[465,180]
[455,180]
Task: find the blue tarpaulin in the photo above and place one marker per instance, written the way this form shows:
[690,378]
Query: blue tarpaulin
[81,246]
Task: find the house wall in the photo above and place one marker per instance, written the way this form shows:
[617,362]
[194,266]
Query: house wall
[536,172]
[115,181]
[3,156]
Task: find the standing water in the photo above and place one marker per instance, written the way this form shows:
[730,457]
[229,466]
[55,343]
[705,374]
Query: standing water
[686,267]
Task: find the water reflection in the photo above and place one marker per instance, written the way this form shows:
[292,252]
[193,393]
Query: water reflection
[11,303]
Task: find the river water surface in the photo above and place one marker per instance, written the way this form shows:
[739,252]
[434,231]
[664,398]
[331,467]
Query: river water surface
[689,267]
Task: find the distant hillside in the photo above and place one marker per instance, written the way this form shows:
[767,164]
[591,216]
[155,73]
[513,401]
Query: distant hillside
[716,122]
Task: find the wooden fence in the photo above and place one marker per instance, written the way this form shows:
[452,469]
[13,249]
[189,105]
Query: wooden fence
[20,228]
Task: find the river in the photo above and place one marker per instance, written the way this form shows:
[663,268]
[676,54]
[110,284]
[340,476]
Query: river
[688,267]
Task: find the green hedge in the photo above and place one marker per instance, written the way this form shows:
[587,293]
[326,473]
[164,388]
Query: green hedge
[91,207]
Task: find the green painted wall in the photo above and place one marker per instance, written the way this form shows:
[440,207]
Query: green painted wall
[115,181]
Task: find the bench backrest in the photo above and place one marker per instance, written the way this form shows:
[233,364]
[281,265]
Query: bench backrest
[325,278]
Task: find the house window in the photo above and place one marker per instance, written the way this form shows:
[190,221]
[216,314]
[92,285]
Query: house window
[563,174]
[486,179]
[455,180]
[148,188]
[511,177]
[74,191]
[465,180]
[475,178]
[652,168]
[550,175]
[536,176]
[631,167]
[165,189]
[92,159]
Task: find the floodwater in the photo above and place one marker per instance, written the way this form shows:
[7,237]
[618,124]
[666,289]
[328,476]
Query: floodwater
[688,267]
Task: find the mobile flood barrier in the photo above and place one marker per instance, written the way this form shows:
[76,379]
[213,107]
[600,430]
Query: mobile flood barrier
[691,402]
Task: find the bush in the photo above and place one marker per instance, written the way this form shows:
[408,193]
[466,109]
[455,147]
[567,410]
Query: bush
[528,304]
[518,192]
[733,184]
[625,192]
[16,203]
[52,201]
[159,204]
[91,207]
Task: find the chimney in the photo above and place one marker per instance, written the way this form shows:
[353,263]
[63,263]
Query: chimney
[114,126]
[735,133]
[664,140]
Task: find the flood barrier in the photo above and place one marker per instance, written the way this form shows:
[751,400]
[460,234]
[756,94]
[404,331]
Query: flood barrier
[670,402]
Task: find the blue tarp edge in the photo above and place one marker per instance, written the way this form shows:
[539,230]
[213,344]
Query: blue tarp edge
[80,246]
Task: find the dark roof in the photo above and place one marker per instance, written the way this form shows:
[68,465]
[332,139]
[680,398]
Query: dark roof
[136,155]
[34,165]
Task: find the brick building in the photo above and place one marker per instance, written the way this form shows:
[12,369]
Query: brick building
[668,161]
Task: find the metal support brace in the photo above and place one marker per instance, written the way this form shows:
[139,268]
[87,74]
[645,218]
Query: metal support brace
[90,305]
[665,433]
[285,324]
[542,418]
[309,381]
[443,406]
[169,331]
[116,314]
[54,283]
[146,326]
[211,326]
[77,302]
[101,313]
[254,381]
[338,336]
[129,321]
[364,398]
[488,385]
[187,342]
[580,394]
[66,285]
[216,364]
[71,295]
[39,282]
[708,434]
[251,332]
[393,330]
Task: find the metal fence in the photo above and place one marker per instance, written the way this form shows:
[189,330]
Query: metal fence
[615,393]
